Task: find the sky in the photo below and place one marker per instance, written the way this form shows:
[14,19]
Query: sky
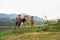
[40,8]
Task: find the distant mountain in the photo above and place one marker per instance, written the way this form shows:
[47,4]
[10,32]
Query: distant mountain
[3,15]
[12,17]
[38,20]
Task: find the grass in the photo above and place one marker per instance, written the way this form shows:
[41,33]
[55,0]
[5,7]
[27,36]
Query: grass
[35,36]
[34,33]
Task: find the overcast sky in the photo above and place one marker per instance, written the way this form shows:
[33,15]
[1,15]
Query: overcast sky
[41,8]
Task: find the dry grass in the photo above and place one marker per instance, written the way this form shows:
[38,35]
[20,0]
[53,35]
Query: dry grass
[36,36]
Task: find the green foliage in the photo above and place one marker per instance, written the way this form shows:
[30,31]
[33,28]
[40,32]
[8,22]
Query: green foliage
[48,28]
[50,22]
[33,29]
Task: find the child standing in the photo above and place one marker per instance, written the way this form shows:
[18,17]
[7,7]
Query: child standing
[32,20]
[18,22]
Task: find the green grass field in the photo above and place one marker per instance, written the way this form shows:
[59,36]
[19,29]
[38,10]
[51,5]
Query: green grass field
[50,32]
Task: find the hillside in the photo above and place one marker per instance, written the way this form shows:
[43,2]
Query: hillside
[36,36]
[51,32]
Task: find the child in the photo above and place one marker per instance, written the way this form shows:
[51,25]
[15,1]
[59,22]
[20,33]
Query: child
[18,22]
[27,20]
[24,21]
[32,21]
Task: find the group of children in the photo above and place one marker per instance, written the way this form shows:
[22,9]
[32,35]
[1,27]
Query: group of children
[26,20]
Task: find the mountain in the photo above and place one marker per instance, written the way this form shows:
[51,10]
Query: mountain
[12,17]
[38,20]
[2,15]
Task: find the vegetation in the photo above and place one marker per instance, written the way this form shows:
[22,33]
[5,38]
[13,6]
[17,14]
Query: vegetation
[44,32]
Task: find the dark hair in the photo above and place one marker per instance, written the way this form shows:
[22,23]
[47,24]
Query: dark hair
[25,16]
[31,16]
[19,15]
